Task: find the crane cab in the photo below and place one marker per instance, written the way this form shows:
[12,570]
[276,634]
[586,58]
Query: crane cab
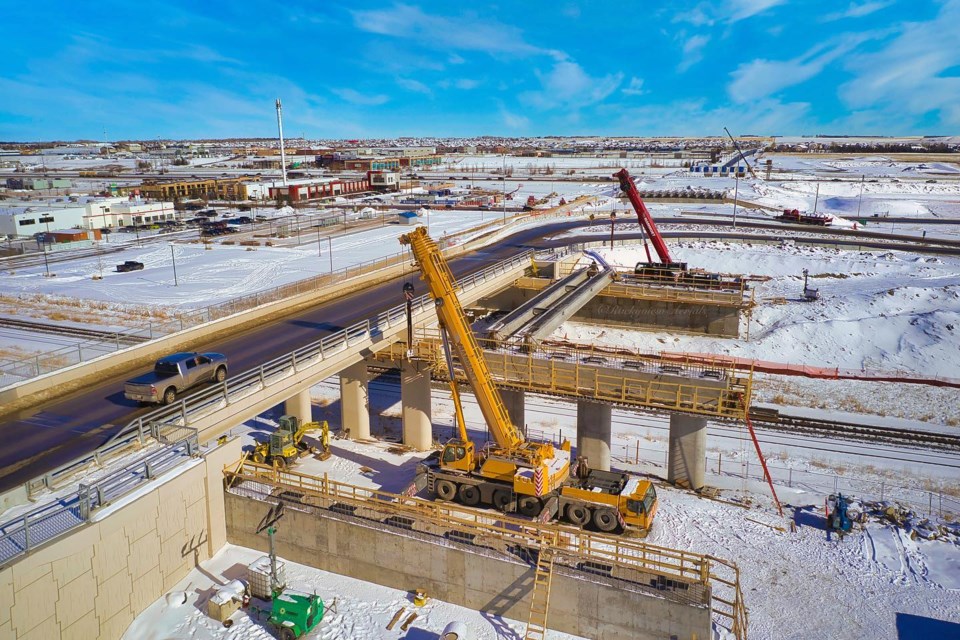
[458,455]
[640,503]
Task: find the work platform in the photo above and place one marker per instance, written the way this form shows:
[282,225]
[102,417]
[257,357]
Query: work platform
[612,376]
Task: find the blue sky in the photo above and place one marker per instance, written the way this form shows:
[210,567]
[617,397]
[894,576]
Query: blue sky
[383,69]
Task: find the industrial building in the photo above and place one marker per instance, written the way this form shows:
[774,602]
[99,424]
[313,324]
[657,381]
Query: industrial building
[25,222]
[36,184]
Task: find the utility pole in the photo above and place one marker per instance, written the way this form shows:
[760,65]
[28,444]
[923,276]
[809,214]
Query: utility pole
[816,199]
[173,255]
[319,250]
[330,251]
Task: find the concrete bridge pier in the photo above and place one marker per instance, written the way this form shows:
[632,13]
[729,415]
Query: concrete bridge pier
[515,402]
[299,406]
[415,398]
[355,401]
[688,448]
[593,433]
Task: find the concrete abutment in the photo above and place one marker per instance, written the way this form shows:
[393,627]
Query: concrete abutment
[355,401]
[688,447]
[415,397]
[593,433]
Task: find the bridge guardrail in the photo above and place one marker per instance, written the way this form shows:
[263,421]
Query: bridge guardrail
[25,532]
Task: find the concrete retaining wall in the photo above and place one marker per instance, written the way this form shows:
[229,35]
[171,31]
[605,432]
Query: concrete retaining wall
[94,581]
[582,604]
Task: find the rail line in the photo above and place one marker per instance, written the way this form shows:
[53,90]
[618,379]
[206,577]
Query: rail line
[776,421]
[72,332]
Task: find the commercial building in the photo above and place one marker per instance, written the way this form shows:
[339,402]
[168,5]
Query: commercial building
[384,180]
[38,183]
[208,189]
[309,188]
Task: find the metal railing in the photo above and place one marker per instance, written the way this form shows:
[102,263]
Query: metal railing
[618,557]
[25,532]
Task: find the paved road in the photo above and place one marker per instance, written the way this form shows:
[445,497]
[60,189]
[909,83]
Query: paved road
[44,437]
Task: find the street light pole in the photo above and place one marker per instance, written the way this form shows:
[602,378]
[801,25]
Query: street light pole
[504,197]
[319,250]
[330,251]
[736,193]
[408,295]
[173,255]
[860,200]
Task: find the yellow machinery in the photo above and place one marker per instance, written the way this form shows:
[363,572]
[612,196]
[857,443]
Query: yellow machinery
[286,444]
[512,473]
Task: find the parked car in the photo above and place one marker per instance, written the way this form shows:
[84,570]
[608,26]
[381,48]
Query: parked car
[129,265]
[174,374]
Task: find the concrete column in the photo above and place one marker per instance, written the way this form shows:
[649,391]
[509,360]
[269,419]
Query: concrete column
[355,402]
[415,398]
[688,447]
[593,433]
[514,401]
[299,406]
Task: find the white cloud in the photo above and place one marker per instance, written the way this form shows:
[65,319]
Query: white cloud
[464,33]
[760,78]
[706,14]
[514,121]
[743,9]
[351,95]
[568,85]
[415,85]
[699,118]
[915,74]
[466,83]
[860,10]
[634,88]
[455,59]
[692,52]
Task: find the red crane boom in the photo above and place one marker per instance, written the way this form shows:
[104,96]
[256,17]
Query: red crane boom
[646,220]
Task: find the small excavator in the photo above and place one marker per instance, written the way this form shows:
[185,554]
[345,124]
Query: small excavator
[286,444]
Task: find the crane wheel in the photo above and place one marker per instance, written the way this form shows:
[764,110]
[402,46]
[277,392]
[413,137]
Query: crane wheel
[605,520]
[469,495]
[501,499]
[446,490]
[578,514]
[529,506]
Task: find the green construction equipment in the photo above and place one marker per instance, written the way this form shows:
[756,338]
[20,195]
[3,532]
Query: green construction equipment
[293,613]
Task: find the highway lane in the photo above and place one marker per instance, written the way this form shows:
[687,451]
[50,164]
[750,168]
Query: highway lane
[44,437]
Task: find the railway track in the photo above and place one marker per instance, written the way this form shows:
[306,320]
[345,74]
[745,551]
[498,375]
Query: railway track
[775,421]
[72,332]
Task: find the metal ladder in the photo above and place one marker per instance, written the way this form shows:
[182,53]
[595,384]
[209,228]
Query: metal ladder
[540,599]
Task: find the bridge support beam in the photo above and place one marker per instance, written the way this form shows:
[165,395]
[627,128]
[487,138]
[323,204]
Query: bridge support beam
[415,398]
[515,402]
[355,401]
[299,406]
[593,433]
[688,447]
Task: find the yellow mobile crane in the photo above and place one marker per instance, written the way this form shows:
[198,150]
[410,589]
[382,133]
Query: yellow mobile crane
[513,474]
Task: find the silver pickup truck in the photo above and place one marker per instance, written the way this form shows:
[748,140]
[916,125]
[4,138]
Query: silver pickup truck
[174,374]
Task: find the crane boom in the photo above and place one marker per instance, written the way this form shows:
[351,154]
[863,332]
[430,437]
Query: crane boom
[736,145]
[646,220]
[442,285]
